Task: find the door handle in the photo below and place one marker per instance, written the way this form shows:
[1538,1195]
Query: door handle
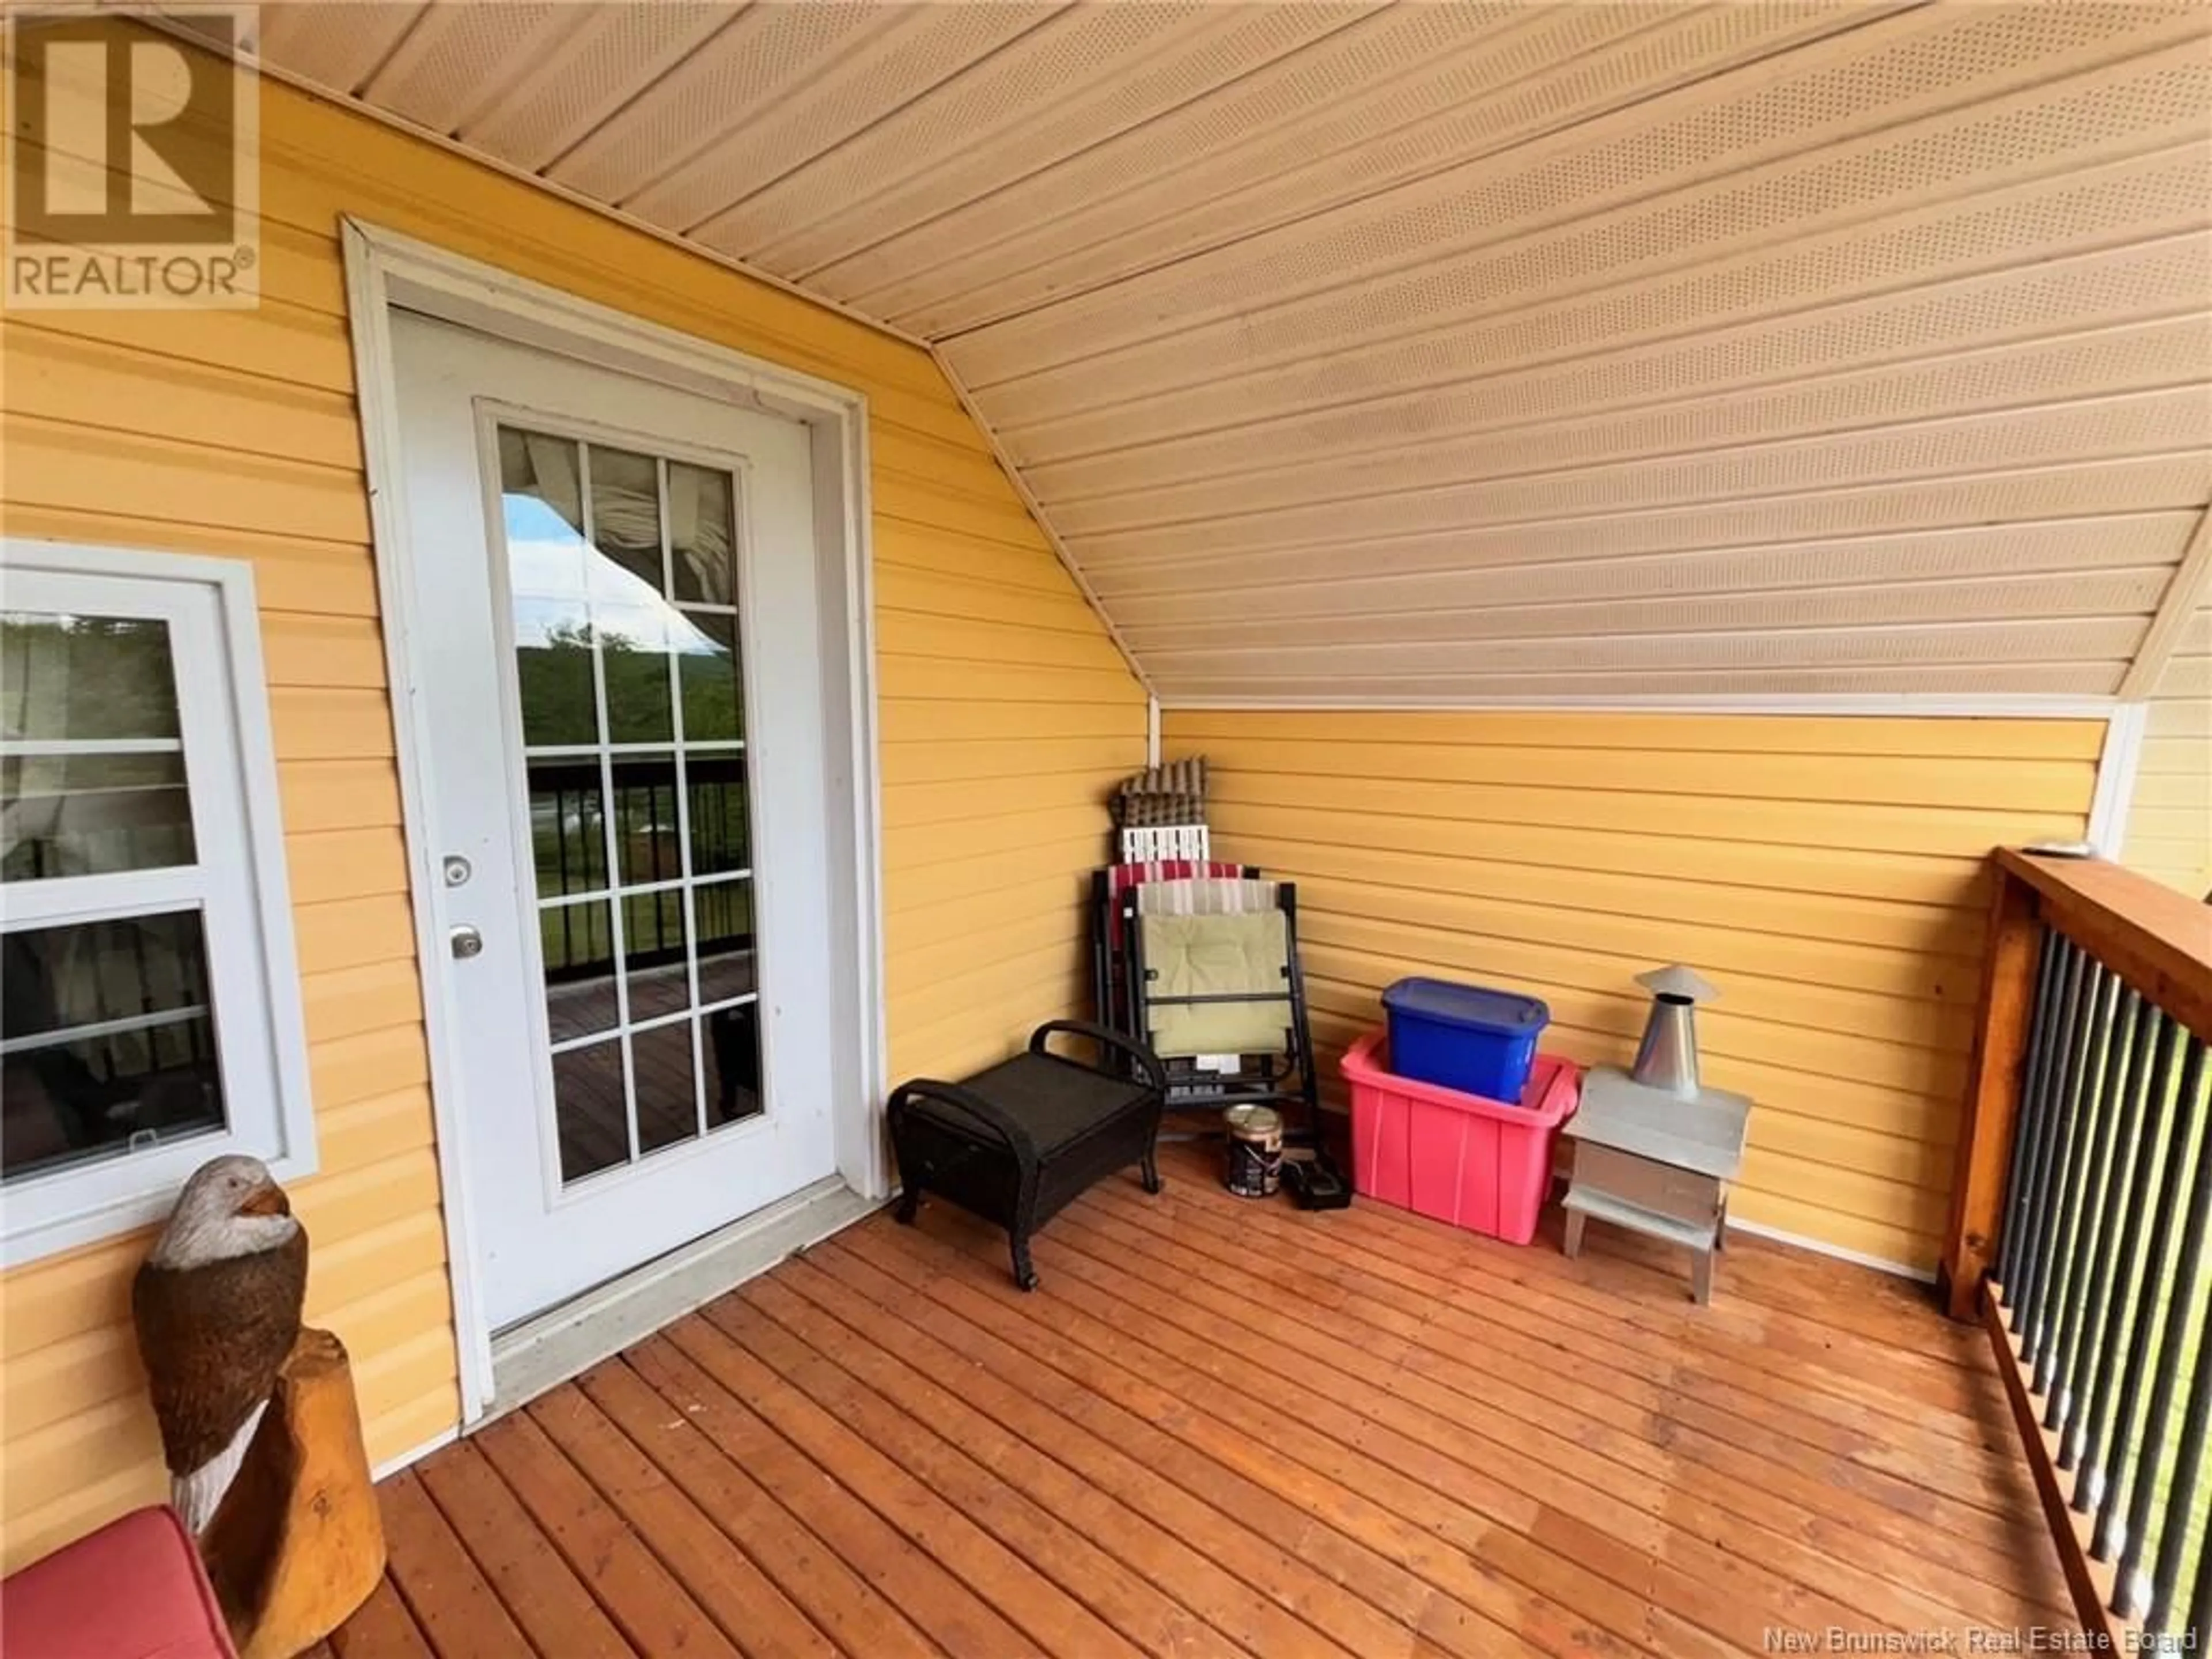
[466,942]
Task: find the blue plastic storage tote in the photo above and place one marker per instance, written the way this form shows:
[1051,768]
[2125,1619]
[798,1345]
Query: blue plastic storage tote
[1462,1036]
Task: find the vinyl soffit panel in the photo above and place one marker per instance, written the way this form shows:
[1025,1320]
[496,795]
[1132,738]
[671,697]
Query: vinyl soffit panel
[883,61]
[2172,482]
[546,111]
[2166,278]
[1732,231]
[1738,164]
[2142,423]
[1372,106]
[983,103]
[2100,595]
[1792,350]
[1159,77]
[2175,352]
[2071,546]
[2151,197]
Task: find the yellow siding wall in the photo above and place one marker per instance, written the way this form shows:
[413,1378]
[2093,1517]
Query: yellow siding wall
[1006,712]
[2169,835]
[1824,872]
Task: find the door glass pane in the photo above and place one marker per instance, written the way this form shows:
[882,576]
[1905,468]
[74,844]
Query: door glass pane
[648,824]
[568,830]
[626,512]
[721,829]
[549,568]
[667,1087]
[579,945]
[659,966]
[553,666]
[725,925]
[699,535]
[623,566]
[590,1109]
[106,1041]
[634,640]
[707,666]
[734,1068]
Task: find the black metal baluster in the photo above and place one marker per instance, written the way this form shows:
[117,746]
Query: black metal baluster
[2188,1477]
[2090,1029]
[2042,1035]
[2200,1601]
[653,842]
[2036,1211]
[2130,1410]
[2080,1300]
[2043,1156]
[560,863]
[2154,1081]
[2180,1303]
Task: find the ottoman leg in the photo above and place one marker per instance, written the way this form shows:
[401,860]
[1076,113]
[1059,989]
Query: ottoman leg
[1152,1170]
[909,1206]
[1025,1274]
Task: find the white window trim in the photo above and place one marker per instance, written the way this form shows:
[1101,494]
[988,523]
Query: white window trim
[253,963]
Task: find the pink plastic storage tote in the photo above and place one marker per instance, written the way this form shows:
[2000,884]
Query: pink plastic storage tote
[1482,1165]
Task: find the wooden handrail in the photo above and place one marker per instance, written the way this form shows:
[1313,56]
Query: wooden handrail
[2158,940]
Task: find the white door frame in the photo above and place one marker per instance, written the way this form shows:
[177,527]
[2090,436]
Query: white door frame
[384,268]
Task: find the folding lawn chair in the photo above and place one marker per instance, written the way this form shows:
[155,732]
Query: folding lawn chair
[1217,992]
[1109,967]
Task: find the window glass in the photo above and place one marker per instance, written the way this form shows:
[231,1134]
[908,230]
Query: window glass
[84,815]
[92,771]
[84,680]
[110,1041]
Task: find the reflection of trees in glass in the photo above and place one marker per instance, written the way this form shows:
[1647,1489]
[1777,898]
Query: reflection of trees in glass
[558,703]
[553,661]
[637,689]
[713,709]
[85,678]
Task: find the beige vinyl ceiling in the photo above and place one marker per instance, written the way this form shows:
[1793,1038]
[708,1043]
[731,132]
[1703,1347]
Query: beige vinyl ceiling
[1431,352]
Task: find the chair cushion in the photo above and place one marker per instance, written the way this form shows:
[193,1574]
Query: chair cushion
[1217,955]
[66,1606]
[1057,1101]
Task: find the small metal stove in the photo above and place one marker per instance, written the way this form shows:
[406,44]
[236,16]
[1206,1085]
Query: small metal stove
[1655,1150]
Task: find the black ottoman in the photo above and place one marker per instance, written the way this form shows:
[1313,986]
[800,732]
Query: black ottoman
[1018,1143]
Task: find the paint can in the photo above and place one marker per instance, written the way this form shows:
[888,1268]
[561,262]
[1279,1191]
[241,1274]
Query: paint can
[1255,1151]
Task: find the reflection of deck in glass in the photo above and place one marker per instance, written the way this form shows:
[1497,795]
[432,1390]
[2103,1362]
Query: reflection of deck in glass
[594,1128]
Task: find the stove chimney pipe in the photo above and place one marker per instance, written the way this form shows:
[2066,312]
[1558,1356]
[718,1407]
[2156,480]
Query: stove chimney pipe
[1667,1057]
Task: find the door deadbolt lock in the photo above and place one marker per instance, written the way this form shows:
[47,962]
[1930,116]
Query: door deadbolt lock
[466,942]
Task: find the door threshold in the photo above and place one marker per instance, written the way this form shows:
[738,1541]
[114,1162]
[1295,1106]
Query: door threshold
[549,1348]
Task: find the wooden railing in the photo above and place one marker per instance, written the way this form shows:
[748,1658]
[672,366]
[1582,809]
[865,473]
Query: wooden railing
[2081,1226]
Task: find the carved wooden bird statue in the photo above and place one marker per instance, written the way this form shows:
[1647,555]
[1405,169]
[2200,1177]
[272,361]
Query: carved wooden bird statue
[218,1307]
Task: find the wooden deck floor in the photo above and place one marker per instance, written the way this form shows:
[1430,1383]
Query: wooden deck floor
[1225,1428]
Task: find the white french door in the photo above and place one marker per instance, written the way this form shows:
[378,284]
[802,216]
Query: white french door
[615,618]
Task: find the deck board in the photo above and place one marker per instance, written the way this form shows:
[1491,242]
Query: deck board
[1222,1429]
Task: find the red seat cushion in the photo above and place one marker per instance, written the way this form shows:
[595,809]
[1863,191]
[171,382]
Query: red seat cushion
[135,1589]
